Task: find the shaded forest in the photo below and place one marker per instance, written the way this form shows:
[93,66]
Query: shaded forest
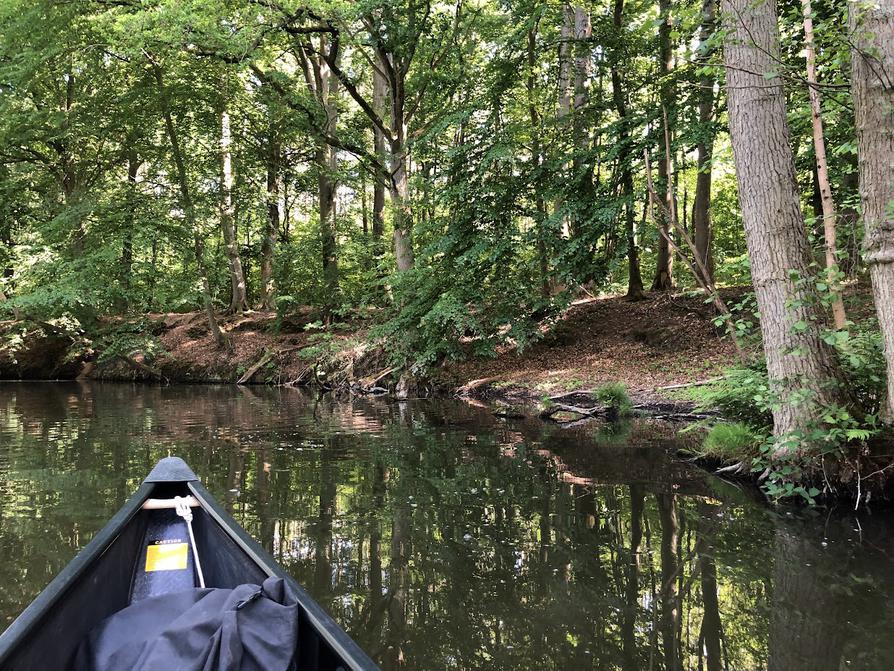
[450,176]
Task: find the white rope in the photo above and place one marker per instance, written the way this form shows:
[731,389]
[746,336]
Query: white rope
[183,509]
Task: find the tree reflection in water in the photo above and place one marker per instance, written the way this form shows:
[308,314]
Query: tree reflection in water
[442,537]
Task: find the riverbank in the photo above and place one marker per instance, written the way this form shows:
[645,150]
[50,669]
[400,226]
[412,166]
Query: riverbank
[649,346]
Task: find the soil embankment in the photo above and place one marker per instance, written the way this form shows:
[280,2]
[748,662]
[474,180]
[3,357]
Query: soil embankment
[647,345]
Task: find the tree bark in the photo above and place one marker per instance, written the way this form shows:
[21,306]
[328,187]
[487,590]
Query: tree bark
[327,161]
[133,167]
[625,160]
[799,363]
[664,263]
[872,64]
[271,231]
[400,200]
[822,172]
[238,301]
[537,160]
[380,91]
[701,207]
[187,205]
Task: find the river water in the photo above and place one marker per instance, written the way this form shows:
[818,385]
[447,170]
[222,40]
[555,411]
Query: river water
[442,537]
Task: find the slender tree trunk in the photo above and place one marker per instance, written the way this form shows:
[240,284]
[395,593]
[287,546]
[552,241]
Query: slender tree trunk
[327,160]
[537,159]
[664,263]
[238,301]
[822,172]
[625,159]
[872,31]
[133,167]
[580,133]
[380,91]
[188,207]
[798,360]
[271,231]
[701,208]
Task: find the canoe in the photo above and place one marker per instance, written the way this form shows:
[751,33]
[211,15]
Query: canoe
[117,569]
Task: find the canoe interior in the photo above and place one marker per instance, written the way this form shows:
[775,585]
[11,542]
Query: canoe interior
[102,586]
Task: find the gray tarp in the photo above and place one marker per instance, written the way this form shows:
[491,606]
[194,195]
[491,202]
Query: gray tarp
[249,628]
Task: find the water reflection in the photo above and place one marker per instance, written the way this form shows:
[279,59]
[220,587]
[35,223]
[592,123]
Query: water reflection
[442,537]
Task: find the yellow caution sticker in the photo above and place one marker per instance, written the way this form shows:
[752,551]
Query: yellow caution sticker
[166,557]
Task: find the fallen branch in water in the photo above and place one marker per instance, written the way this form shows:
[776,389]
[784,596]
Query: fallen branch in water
[556,408]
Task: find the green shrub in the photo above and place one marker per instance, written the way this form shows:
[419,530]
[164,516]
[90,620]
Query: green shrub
[614,395]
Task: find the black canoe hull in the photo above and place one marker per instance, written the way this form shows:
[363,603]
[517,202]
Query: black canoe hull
[98,581]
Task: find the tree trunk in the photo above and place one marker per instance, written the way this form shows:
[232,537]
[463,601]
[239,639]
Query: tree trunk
[380,91]
[798,360]
[822,172]
[664,263]
[327,161]
[701,208]
[872,29]
[271,231]
[133,167]
[238,301]
[400,200]
[537,160]
[625,159]
[187,205]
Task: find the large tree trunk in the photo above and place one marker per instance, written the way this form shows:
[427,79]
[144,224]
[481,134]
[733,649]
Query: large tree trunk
[791,318]
[271,231]
[664,263]
[187,206]
[822,171]
[625,159]
[238,301]
[400,201]
[701,208]
[872,30]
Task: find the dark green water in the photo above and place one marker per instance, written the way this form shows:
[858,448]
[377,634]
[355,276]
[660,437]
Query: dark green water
[444,538]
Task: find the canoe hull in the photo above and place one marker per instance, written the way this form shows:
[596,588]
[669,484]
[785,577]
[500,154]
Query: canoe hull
[98,583]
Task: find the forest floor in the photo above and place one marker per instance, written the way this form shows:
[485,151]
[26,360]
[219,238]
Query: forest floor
[662,341]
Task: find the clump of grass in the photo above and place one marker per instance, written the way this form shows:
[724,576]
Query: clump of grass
[729,442]
[614,395]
